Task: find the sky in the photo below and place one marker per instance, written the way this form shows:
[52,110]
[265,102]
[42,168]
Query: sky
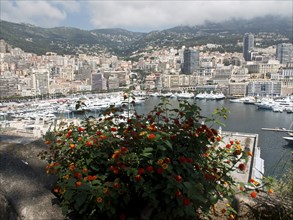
[136,15]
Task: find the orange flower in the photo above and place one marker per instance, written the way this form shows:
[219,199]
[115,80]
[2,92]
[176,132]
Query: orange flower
[152,128]
[99,200]
[249,153]
[270,191]
[241,188]
[78,184]
[72,146]
[48,142]
[71,166]
[88,143]
[165,166]
[231,217]
[253,194]
[151,136]
[160,161]
[219,138]
[80,129]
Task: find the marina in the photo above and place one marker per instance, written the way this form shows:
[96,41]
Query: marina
[35,117]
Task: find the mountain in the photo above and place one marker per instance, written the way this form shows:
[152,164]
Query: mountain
[68,40]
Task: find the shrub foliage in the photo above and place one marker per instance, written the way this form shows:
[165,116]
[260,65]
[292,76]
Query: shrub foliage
[165,163]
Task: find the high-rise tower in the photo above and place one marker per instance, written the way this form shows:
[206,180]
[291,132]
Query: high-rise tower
[248,46]
[190,61]
[284,53]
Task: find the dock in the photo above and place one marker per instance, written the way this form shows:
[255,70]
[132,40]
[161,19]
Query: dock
[277,129]
[255,164]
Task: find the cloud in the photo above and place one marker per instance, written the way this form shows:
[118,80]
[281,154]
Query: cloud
[37,12]
[151,15]
[136,15]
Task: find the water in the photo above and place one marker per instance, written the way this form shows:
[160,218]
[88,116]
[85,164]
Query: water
[275,151]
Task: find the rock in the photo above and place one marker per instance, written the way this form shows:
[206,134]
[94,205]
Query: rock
[6,210]
[24,181]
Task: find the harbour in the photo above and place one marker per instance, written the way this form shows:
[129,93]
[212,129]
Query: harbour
[270,126]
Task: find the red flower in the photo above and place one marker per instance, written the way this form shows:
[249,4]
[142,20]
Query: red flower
[186,201]
[99,132]
[178,193]
[182,159]
[151,136]
[140,171]
[116,185]
[242,167]
[228,145]
[178,178]
[85,170]
[138,178]
[77,175]
[123,149]
[80,129]
[189,160]
[167,160]
[253,195]
[160,170]
[150,169]
[219,138]
[113,129]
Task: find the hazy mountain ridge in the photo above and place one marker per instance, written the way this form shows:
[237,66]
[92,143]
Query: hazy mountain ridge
[68,40]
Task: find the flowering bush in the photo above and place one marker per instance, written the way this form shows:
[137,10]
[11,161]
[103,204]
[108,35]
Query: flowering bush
[165,163]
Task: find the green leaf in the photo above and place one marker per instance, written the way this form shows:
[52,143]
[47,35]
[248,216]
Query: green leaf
[162,148]
[168,144]
[148,150]
[80,199]
[146,154]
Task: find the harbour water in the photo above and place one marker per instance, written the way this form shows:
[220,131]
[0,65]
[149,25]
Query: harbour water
[276,152]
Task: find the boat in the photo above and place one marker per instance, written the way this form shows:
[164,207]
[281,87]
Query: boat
[289,139]
[210,96]
[249,100]
[185,95]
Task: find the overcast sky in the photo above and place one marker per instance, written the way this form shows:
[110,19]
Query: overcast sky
[136,15]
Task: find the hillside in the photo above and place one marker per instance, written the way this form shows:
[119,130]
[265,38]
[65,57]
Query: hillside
[68,40]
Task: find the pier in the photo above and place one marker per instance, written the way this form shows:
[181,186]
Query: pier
[277,129]
[255,164]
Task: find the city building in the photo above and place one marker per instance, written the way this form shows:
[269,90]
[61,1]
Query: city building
[284,53]
[99,83]
[190,61]
[264,88]
[9,85]
[237,89]
[248,46]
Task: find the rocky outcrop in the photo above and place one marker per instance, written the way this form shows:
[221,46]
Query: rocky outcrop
[24,182]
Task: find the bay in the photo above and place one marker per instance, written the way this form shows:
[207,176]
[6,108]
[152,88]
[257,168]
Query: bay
[275,151]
